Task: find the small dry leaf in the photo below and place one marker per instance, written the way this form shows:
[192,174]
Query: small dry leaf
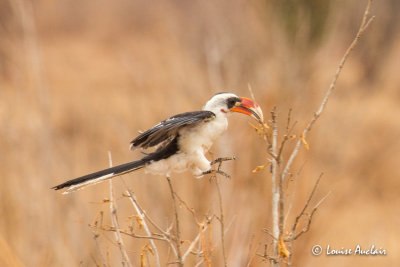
[304,142]
[283,252]
[149,248]
[143,254]
[259,129]
[106,200]
[142,259]
[258,168]
[139,221]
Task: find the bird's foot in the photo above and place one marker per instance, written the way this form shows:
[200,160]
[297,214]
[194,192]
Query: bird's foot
[217,172]
[220,160]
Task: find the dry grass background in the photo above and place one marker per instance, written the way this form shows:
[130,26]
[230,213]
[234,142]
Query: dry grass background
[78,79]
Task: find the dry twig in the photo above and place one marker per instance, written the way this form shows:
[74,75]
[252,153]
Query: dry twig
[114,220]
[280,171]
[141,214]
[293,235]
[221,218]
[274,184]
[366,21]
[96,236]
[197,238]
[178,230]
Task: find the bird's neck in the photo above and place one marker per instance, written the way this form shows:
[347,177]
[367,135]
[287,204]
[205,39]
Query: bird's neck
[219,113]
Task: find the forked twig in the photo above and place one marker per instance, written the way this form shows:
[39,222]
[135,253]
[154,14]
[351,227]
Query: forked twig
[96,236]
[280,170]
[141,214]
[293,235]
[178,230]
[364,25]
[304,230]
[276,196]
[218,170]
[195,241]
[221,218]
[152,222]
[296,221]
[114,220]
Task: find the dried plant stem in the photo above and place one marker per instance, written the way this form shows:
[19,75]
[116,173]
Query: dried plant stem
[275,191]
[293,235]
[96,236]
[141,215]
[103,260]
[221,218]
[279,170]
[115,224]
[366,21]
[153,237]
[178,230]
[132,197]
[296,221]
[163,235]
[252,251]
[194,242]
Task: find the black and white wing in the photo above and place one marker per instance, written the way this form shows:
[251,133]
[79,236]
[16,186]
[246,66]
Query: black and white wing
[167,130]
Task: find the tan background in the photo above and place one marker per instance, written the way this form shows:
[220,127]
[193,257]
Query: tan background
[80,79]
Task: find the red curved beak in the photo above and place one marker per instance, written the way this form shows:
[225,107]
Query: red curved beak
[250,108]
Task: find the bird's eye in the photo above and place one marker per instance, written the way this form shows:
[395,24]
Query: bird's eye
[231,102]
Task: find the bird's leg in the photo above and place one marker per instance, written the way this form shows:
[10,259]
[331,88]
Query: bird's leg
[220,160]
[218,170]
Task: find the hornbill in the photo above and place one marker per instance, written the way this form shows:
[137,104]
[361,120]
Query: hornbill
[181,141]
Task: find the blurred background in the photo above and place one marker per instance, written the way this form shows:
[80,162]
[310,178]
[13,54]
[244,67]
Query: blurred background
[81,78]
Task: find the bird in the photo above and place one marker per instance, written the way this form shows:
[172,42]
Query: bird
[180,142]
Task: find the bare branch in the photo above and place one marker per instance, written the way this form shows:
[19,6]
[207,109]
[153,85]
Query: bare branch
[191,246]
[114,220]
[204,248]
[364,25]
[296,221]
[139,212]
[190,209]
[265,255]
[196,240]
[294,191]
[221,220]
[287,135]
[263,126]
[178,230]
[251,254]
[199,263]
[293,236]
[307,227]
[96,236]
[152,222]
[267,231]
[152,237]
[164,235]
[275,187]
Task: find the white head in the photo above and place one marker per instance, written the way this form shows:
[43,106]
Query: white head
[225,103]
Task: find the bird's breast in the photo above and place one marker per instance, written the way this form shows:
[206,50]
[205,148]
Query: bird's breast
[202,136]
[193,143]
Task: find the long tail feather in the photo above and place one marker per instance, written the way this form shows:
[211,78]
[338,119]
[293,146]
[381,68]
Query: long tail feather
[100,176]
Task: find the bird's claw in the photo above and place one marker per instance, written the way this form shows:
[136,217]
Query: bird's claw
[220,160]
[217,172]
